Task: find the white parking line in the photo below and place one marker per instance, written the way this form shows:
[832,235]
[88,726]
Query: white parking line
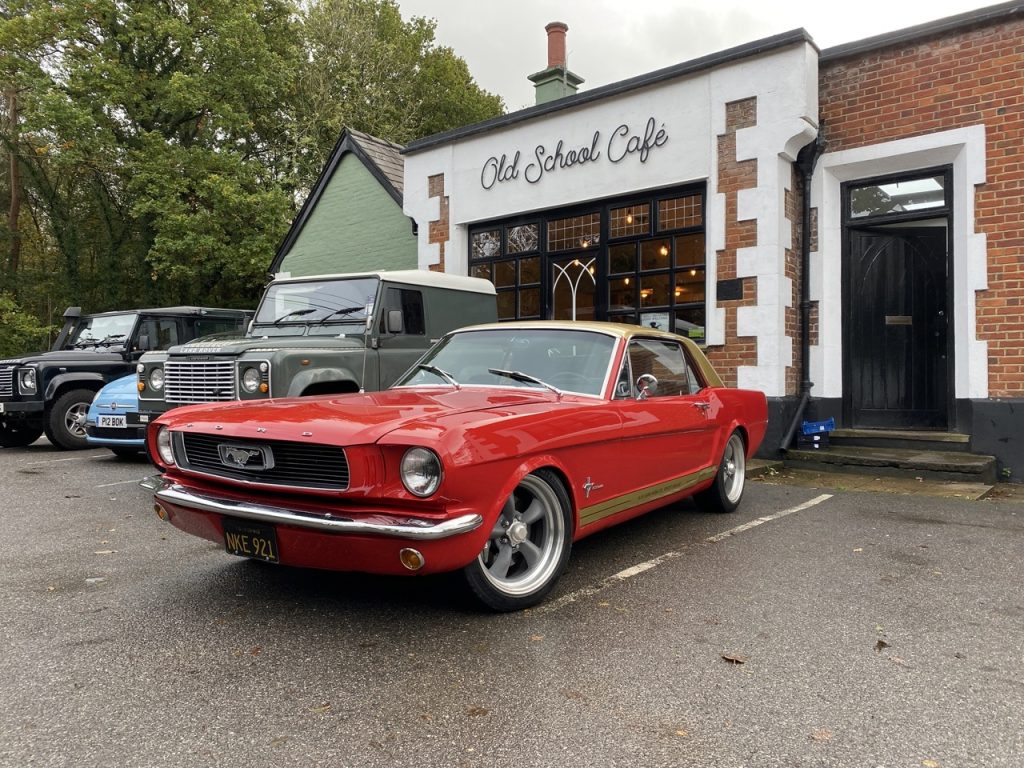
[51,461]
[769,518]
[628,573]
[121,482]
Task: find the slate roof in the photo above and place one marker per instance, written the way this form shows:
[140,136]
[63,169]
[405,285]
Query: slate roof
[386,155]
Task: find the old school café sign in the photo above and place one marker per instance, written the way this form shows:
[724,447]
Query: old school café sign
[623,142]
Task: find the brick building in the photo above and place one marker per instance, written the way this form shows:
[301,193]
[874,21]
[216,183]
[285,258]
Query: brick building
[679,199]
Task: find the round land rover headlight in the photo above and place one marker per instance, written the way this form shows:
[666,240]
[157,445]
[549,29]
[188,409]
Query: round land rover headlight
[27,381]
[251,379]
[421,471]
[163,446]
[156,379]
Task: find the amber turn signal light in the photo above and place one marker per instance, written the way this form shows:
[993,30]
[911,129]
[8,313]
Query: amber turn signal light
[160,511]
[411,559]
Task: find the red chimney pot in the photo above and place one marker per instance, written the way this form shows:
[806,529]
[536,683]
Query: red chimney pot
[556,43]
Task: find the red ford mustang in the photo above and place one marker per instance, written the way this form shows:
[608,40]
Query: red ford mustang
[500,448]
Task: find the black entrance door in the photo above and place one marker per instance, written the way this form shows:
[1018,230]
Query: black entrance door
[896,321]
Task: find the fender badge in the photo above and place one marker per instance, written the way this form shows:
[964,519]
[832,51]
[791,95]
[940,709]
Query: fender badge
[591,486]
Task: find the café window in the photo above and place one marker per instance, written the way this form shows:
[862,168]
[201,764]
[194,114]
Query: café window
[507,255]
[637,260]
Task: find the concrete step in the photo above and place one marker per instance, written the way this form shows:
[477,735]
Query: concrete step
[900,438]
[958,466]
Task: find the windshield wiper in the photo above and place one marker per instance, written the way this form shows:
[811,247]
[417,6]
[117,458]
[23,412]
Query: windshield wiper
[439,373]
[108,340]
[342,311]
[524,377]
[293,313]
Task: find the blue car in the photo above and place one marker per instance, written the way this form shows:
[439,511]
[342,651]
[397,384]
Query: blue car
[113,418]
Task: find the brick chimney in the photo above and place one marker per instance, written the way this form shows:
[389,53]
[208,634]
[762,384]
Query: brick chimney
[556,81]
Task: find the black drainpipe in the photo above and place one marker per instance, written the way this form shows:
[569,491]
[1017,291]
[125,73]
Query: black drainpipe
[805,162]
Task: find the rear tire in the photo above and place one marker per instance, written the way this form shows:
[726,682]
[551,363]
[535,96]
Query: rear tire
[725,493]
[18,434]
[528,547]
[65,422]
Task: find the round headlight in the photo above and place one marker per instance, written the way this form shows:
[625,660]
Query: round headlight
[163,446]
[27,381]
[421,471]
[140,368]
[251,379]
[156,379]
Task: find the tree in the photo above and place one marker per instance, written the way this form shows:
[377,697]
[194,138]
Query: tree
[371,71]
[152,142]
[154,152]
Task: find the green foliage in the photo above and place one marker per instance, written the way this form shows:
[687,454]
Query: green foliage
[21,332]
[163,146]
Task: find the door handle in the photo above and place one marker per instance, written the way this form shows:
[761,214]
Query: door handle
[702,406]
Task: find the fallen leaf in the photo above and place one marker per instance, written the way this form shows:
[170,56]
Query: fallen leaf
[279,741]
[880,645]
[603,604]
[52,588]
[859,549]
[683,733]
[323,709]
[255,651]
[536,638]
[897,660]
[930,764]
[735,658]
[477,711]
[821,734]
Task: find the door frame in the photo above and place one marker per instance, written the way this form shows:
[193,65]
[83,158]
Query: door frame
[908,218]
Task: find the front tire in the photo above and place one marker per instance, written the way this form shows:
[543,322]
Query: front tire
[528,547]
[65,423]
[725,493]
[18,434]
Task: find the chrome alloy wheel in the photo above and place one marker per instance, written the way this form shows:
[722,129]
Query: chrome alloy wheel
[524,551]
[734,468]
[74,419]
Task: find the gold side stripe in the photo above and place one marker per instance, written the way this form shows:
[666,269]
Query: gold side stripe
[600,511]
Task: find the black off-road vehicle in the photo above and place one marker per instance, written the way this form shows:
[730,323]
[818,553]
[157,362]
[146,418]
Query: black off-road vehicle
[51,391]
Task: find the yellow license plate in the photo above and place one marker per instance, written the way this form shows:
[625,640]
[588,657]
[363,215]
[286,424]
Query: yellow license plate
[248,539]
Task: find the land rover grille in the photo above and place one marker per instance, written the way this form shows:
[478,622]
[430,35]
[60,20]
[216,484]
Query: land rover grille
[190,381]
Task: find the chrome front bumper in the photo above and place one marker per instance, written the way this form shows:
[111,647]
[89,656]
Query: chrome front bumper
[399,527]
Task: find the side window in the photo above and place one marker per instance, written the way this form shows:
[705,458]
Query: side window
[666,361]
[206,326]
[162,332]
[411,303]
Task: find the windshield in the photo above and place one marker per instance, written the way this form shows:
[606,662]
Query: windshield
[105,330]
[568,360]
[317,306]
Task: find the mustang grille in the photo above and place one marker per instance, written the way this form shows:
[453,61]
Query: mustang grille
[299,465]
[186,381]
[7,381]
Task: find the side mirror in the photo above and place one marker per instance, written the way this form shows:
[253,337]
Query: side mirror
[396,323]
[144,343]
[646,386]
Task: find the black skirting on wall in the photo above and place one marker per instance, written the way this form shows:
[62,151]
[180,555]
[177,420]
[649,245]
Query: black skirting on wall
[996,428]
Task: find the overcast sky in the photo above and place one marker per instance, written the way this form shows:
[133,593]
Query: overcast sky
[503,41]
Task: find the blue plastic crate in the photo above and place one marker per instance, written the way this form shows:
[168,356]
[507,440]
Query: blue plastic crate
[814,427]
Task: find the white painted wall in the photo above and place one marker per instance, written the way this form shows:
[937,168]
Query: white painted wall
[691,111]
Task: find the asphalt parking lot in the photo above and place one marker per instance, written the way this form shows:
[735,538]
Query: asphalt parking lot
[813,627]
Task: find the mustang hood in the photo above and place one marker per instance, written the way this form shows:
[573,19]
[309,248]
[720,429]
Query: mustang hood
[345,419]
